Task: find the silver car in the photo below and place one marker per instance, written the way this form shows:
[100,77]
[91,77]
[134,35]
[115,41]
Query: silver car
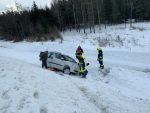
[62,62]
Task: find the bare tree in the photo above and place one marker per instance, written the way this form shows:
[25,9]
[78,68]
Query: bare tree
[74,14]
[98,13]
[93,18]
[83,15]
[131,5]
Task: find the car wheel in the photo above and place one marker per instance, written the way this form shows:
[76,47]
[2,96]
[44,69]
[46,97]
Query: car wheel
[66,71]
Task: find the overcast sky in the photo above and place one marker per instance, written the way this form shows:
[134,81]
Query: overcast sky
[4,4]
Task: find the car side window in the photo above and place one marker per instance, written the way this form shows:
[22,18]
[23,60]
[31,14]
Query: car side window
[51,55]
[63,57]
[69,59]
[58,56]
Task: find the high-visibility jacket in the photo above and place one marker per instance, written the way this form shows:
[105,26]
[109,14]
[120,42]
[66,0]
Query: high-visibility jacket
[82,69]
[100,55]
[81,59]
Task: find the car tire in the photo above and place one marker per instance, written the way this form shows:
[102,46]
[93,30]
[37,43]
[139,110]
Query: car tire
[66,71]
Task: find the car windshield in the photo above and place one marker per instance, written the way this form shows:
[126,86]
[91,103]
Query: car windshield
[67,58]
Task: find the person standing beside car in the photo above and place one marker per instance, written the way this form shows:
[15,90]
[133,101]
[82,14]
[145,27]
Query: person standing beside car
[43,58]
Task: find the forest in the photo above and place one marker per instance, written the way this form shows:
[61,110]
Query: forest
[37,24]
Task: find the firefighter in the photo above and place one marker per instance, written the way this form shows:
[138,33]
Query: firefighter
[100,57]
[83,71]
[79,52]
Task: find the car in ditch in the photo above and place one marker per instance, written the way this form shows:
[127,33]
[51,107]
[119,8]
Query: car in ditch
[62,62]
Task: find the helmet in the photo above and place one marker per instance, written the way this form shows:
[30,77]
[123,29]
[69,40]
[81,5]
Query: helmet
[79,46]
[98,49]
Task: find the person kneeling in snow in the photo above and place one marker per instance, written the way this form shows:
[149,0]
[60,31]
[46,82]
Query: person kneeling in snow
[83,71]
[43,57]
[100,57]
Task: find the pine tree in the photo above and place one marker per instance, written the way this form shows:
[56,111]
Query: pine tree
[142,9]
[115,11]
[108,10]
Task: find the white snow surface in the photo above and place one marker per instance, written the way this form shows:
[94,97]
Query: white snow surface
[27,88]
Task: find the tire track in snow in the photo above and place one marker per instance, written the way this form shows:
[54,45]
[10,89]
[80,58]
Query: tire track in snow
[94,99]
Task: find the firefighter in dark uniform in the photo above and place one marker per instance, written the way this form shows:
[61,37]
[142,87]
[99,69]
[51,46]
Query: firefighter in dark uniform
[100,57]
[43,57]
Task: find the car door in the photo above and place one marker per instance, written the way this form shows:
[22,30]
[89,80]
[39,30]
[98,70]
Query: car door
[59,61]
[72,63]
[51,60]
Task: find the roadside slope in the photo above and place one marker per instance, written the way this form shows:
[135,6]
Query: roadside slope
[29,89]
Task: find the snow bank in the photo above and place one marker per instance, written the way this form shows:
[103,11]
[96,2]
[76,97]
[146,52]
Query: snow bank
[116,37]
[29,89]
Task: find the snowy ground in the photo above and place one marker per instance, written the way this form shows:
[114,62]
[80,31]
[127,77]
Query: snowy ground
[26,88]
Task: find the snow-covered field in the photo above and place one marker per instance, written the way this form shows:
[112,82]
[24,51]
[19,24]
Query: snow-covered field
[26,88]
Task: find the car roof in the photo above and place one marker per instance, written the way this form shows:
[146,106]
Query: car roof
[60,53]
[54,52]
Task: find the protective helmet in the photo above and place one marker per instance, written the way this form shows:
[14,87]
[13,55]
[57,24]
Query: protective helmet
[98,49]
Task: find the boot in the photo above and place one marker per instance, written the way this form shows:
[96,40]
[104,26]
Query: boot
[102,66]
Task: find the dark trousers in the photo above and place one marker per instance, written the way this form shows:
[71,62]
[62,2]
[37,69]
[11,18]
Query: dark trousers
[44,64]
[84,74]
[101,63]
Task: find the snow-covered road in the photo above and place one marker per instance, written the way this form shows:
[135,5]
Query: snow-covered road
[130,60]
[29,52]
